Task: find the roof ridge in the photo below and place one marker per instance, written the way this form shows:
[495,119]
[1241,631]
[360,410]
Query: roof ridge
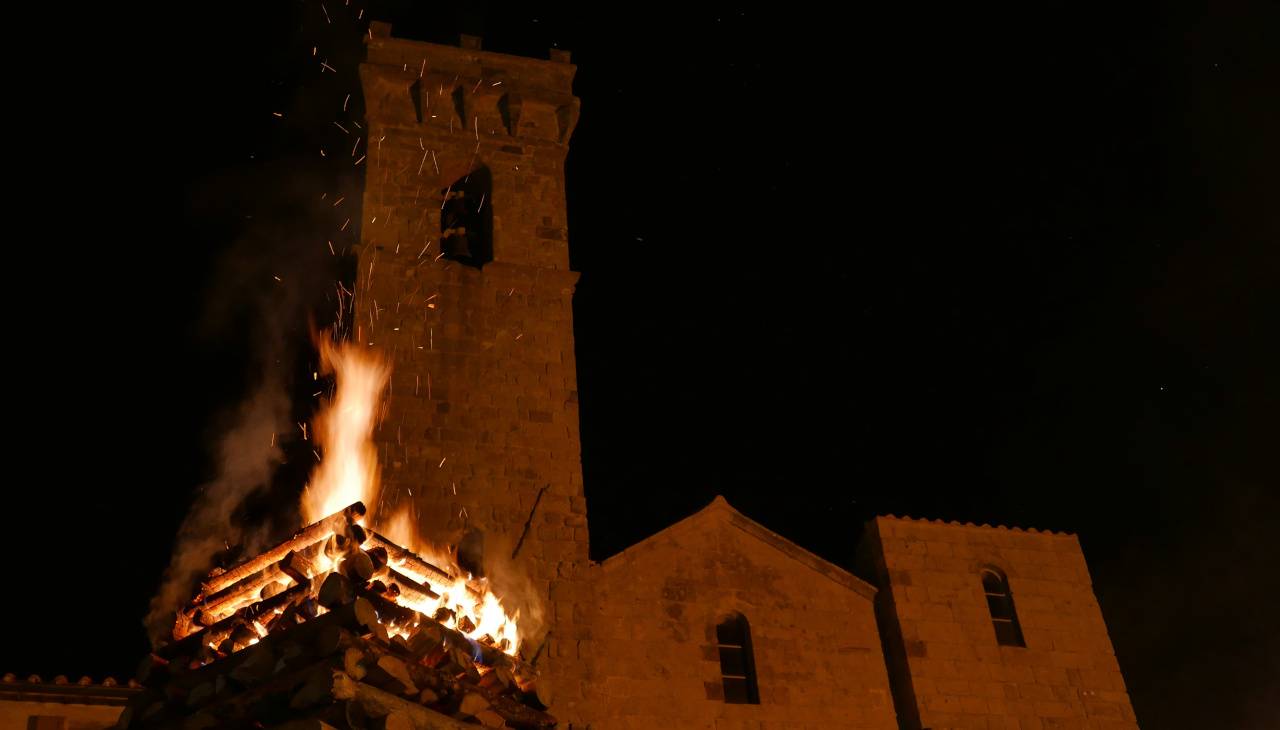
[984,525]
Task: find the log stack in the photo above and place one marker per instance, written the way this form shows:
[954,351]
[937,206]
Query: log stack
[328,646]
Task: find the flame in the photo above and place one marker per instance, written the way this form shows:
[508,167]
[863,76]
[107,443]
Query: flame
[344,430]
[348,472]
[471,599]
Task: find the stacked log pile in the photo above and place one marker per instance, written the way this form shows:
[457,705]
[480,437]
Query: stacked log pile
[342,652]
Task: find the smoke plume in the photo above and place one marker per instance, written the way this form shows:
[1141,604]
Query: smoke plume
[248,456]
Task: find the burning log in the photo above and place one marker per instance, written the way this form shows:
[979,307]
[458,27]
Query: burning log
[409,588]
[411,560]
[307,536]
[357,566]
[218,632]
[336,591]
[296,566]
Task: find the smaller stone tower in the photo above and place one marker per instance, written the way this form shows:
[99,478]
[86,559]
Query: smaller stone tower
[991,627]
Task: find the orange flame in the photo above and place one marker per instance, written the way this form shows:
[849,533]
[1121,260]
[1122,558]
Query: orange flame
[463,597]
[349,470]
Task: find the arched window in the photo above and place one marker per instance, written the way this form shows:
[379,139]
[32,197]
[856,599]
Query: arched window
[1000,604]
[737,663]
[466,223]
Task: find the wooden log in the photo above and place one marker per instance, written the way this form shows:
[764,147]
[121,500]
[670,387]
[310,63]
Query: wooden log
[316,689]
[257,666]
[398,721]
[411,560]
[218,632]
[307,536]
[472,703]
[263,584]
[391,674]
[357,566]
[296,566]
[409,588]
[378,555]
[336,591]
[351,663]
[489,718]
[378,703]
[442,681]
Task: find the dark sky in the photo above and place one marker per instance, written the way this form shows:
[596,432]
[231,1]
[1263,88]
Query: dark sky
[1012,263]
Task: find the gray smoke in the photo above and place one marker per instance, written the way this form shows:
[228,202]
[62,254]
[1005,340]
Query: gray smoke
[247,458]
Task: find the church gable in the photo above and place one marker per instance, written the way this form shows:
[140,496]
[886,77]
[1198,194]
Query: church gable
[718,620]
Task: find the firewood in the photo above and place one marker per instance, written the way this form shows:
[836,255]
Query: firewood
[221,630]
[398,555]
[351,663]
[296,566]
[308,607]
[335,547]
[472,703]
[336,591]
[380,704]
[308,535]
[398,721]
[329,641]
[200,721]
[265,583]
[356,534]
[426,639]
[379,556]
[357,566]
[309,723]
[390,674]
[498,679]
[428,697]
[316,689]
[200,694]
[489,718]
[241,636]
[366,615]
[257,666]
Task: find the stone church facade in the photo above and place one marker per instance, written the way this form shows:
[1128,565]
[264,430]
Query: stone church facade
[715,622]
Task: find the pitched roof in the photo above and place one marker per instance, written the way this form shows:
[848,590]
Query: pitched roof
[720,509]
[61,689]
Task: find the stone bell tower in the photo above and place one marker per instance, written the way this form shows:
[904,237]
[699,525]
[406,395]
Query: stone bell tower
[463,281]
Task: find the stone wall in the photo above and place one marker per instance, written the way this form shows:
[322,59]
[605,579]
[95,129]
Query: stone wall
[60,704]
[653,656]
[947,668]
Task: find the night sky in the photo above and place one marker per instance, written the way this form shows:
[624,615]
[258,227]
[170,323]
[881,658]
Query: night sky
[993,263]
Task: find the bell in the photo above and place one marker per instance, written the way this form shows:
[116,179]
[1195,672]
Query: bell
[457,238]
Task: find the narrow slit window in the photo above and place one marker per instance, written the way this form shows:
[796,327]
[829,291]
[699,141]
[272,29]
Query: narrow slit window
[1000,603]
[737,664]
